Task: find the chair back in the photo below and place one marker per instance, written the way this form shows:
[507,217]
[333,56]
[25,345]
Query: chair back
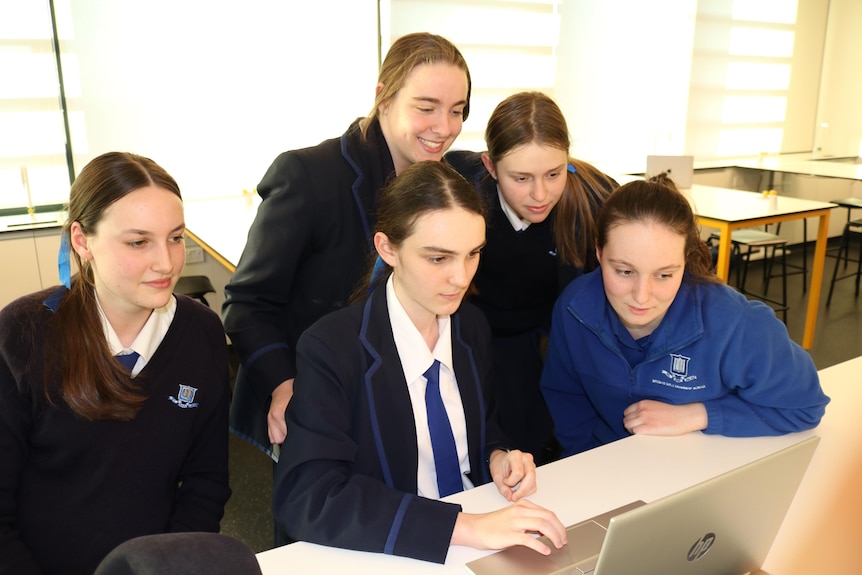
[181,554]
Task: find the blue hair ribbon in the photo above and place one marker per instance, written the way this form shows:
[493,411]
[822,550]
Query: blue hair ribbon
[63,261]
[571,168]
[378,270]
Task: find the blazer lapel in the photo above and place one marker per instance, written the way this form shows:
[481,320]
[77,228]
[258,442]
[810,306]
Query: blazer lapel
[470,387]
[391,412]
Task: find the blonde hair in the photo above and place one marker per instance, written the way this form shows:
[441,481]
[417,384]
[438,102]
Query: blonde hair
[406,53]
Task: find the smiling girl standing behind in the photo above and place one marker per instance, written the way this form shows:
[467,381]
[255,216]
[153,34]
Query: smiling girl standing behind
[312,234]
[113,391]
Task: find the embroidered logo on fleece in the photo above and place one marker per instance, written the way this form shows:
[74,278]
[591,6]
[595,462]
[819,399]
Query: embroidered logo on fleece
[678,374]
[185,397]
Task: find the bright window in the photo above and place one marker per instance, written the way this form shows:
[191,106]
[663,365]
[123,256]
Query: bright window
[33,165]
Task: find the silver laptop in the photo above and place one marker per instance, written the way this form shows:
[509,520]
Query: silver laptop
[723,526]
[680,169]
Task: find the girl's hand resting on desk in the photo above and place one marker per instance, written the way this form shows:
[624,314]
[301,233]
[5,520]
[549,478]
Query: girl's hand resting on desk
[648,417]
[514,473]
[508,527]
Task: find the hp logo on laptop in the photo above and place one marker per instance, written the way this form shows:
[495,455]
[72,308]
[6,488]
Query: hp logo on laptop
[701,547]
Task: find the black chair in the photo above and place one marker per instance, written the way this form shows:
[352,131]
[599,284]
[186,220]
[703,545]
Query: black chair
[848,204]
[181,554]
[851,227]
[195,287]
[749,242]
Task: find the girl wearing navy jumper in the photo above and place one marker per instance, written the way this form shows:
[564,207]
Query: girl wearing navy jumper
[654,343]
[94,452]
[542,206]
[359,468]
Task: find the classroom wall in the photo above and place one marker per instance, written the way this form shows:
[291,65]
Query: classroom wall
[623,70]
[839,110]
[637,78]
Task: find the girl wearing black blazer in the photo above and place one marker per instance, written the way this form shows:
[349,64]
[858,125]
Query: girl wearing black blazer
[358,468]
[312,234]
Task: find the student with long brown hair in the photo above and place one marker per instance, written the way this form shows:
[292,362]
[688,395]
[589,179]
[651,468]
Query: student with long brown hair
[654,343]
[541,229]
[113,390]
[391,408]
[312,235]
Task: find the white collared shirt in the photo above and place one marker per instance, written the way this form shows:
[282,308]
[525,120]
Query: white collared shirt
[517,223]
[148,339]
[416,358]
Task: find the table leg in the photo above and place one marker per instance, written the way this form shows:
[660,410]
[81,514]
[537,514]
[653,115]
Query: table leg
[722,266]
[816,280]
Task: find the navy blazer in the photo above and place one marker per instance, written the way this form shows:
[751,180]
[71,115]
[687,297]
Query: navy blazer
[347,472]
[307,249]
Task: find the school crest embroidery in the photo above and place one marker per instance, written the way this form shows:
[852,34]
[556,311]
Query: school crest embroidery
[679,369]
[185,397]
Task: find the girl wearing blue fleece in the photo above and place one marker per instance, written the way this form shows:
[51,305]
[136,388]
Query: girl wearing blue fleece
[652,342]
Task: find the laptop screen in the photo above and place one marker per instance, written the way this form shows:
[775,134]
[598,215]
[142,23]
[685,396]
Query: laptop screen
[722,526]
[680,169]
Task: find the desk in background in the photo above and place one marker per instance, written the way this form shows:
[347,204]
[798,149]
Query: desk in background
[805,164]
[793,175]
[648,468]
[220,226]
[729,210]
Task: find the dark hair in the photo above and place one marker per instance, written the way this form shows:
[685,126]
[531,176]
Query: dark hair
[410,51]
[658,201]
[533,117]
[424,187]
[94,385]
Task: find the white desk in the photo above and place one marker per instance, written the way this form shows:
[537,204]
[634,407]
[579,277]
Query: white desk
[36,221]
[822,529]
[802,164]
[805,165]
[646,468]
[729,210]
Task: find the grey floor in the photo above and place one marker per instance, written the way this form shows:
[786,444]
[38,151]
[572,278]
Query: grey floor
[248,516]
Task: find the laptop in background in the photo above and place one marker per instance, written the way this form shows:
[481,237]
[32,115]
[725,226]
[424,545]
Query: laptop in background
[722,526]
[679,168]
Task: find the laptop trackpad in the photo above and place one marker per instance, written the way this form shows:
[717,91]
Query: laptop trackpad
[585,542]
